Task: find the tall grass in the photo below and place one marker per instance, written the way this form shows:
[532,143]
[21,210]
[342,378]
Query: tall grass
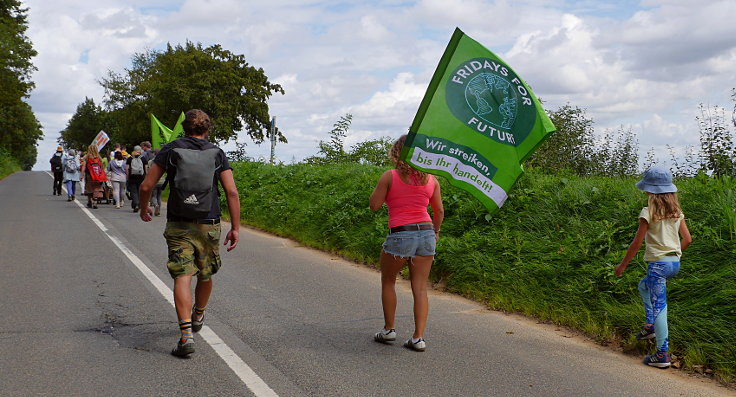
[8,164]
[549,253]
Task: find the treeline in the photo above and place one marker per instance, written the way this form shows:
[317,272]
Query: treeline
[167,82]
[20,128]
[575,148]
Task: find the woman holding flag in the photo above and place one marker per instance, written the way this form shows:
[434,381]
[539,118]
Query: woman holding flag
[412,239]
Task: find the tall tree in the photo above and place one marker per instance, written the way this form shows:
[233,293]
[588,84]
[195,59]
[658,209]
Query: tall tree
[571,147]
[179,78]
[333,151]
[84,125]
[21,130]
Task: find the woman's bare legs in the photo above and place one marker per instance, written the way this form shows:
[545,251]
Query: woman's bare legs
[419,268]
[391,265]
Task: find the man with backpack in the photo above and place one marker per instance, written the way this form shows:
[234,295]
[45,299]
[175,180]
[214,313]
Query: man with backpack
[137,168]
[193,168]
[58,169]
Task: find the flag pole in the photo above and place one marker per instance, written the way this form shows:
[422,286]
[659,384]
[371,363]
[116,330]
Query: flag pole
[273,140]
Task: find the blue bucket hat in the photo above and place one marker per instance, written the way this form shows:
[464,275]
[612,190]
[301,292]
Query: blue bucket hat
[657,180]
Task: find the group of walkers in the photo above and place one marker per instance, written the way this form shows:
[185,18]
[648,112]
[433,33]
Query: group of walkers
[113,177]
[194,167]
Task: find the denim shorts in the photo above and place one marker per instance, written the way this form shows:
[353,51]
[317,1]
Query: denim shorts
[410,243]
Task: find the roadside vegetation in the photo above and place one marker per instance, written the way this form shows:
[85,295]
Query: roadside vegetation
[20,128]
[550,252]
[8,164]
[233,93]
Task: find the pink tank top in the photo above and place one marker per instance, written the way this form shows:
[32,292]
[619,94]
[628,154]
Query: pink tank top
[407,204]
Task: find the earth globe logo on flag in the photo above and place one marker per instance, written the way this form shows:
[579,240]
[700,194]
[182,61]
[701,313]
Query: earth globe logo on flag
[482,94]
[488,97]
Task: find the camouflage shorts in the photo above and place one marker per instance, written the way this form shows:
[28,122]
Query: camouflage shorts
[193,249]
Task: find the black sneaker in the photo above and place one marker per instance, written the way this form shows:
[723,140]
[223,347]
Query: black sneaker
[197,324]
[419,346]
[183,349]
[646,333]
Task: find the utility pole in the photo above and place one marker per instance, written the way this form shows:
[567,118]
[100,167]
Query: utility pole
[273,140]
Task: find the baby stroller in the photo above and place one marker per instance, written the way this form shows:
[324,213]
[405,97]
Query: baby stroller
[106,194]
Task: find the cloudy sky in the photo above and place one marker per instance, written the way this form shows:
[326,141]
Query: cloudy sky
[639,64]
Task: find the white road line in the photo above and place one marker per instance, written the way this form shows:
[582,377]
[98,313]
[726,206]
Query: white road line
[241,369]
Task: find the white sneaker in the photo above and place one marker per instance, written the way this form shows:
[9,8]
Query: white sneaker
[419,346]
[382,336]
[117,206]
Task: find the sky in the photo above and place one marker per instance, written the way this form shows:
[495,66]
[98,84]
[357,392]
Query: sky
[644,65]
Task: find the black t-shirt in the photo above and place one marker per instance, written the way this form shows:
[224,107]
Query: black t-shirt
[163,159]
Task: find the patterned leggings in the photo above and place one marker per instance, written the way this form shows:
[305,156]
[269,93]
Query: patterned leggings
[653,291]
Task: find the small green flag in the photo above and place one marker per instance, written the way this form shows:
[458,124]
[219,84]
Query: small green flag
[161,134]
[477,123]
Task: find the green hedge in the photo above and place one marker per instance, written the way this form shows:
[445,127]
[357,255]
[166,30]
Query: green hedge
[549,253]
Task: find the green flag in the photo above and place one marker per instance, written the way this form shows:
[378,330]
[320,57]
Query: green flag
[161,134]
[477,123]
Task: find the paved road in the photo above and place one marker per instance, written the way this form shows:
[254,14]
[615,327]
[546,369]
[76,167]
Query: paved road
[79,318]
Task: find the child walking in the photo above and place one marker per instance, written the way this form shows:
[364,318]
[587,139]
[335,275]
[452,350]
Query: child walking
[661,225]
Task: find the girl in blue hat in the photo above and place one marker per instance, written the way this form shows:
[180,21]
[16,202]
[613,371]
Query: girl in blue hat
[662,226]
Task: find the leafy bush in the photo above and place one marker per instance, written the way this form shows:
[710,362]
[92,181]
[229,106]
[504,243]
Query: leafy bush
[550,252]
[574,147]
[373,152]
[8,165]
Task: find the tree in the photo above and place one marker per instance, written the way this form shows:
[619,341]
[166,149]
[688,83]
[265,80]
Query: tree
[716,141]
[617,154]
[333,151]
[19,125]
[84,125]
[16,51]
[165,83]
[571,147]
[373,151]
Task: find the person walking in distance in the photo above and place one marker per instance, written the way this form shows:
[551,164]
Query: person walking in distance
[137,169]
[117,170]
[193,167]
[57,168]
[412,238]
[158,189]
[147,152]
[71,164]
[662,226]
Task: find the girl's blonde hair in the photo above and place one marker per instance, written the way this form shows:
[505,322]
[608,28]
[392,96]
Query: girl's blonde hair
[413,175]
[664,206]
[92,151]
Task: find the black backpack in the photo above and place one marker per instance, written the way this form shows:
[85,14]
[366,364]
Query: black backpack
[192,186]
[56,164]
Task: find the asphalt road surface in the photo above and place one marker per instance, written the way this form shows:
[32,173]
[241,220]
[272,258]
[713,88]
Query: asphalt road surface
[86,312]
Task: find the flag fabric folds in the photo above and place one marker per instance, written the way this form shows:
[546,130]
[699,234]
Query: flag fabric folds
[477,123]
[161,134]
